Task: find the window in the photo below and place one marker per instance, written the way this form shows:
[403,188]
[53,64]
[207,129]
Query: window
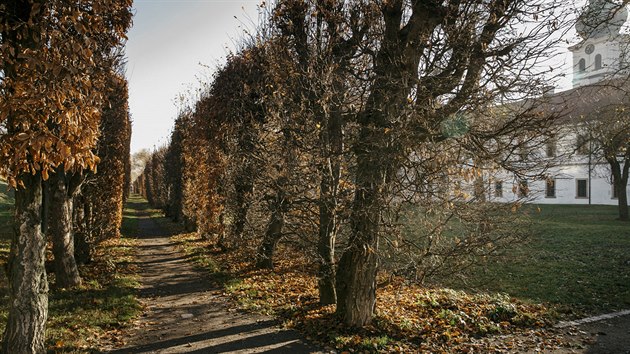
[581,145]
[523,189]
[550,190]
[498,189]
[551,147]
[582,65]
[581,186]
[598,61]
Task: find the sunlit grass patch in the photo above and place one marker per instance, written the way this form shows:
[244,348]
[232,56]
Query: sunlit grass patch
[577,261]
[80,320]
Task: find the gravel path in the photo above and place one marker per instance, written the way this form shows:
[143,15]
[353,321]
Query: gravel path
[185,313]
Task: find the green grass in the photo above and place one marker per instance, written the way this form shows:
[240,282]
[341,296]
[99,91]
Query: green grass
[578,260]
[81,319]
[6,229]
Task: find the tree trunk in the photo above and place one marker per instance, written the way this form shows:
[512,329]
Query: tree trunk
[331,140]
[61,230]
[326,248]
[356,273]
[273,234]
[243,190]
[621,184]
[620,181]
[28,286]
[82,247]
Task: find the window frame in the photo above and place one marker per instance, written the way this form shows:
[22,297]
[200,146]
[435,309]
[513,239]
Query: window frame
[577,188]
[550,182]
[498,189]
[598,62]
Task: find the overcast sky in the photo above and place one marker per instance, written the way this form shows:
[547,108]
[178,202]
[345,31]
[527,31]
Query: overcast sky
[167,43]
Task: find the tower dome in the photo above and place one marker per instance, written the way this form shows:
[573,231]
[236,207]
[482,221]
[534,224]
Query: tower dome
[601,18]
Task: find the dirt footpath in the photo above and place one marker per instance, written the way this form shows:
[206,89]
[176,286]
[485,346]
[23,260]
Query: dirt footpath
[185,313]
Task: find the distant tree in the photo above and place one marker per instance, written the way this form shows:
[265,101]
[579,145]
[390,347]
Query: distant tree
[174,160]
[606,132]
[138,161]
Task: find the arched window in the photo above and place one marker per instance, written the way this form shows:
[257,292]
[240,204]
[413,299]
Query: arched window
[598,61]
[582,65]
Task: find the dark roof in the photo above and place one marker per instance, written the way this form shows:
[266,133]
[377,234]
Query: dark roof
[585,102]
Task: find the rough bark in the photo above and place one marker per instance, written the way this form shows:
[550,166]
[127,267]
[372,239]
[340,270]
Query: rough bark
[82,244]
[62,189]
[273,234]
[243,190]
[356,273]
[28,286]
[395,73]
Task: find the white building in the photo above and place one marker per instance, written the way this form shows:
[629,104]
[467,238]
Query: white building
[580,177]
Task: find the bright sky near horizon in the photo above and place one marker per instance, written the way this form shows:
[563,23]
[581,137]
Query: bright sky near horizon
[169,44]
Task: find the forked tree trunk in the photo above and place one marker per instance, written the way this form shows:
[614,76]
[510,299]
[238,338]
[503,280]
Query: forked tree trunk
[28,286]
[62,191]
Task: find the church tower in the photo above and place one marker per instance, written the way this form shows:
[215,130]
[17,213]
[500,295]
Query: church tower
[602,51]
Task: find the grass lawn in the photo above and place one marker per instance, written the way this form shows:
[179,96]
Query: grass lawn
[6,229]
[578,260]
[80,320]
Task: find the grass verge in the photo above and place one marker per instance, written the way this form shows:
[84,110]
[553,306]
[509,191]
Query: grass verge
[577,261]
[81,320]
[410,318]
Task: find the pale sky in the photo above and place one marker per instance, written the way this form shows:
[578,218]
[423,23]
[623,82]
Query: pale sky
[167,43]
[171,46]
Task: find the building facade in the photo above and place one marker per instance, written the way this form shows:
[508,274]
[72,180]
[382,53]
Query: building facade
[581,175]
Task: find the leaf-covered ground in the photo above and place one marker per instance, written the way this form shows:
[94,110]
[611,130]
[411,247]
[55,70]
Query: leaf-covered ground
[410,318]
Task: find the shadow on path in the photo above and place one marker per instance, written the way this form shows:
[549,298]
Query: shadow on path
[186,313]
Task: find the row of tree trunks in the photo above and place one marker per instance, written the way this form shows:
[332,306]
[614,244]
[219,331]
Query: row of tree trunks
[63,187]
